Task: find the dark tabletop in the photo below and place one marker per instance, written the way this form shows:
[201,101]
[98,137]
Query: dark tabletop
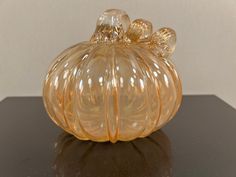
[199,142]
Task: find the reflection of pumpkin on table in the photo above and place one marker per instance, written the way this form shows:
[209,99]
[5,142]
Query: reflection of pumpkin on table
[148,156]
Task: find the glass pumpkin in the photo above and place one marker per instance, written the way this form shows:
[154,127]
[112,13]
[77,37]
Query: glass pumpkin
[120,85]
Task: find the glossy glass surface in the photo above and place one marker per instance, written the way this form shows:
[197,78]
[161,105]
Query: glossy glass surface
[152,154]
[199,142]
[118,86]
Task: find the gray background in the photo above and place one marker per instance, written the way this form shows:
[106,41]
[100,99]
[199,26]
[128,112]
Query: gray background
[33,32]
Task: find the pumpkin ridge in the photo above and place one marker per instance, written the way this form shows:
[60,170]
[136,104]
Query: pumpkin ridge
[70,82]
[156,60]
[154,81]
[137,57]
[114,93]
[178,88]
[60,69]
[55,68]
[75,102]
[173,78]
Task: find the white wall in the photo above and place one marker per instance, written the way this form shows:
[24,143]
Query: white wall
[33,32]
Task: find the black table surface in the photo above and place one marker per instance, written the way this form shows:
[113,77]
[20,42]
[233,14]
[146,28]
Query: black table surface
[199,142]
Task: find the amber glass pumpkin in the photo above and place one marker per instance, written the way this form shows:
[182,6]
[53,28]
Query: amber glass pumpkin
[120,85]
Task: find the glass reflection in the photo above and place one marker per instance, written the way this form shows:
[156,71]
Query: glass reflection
[150,157]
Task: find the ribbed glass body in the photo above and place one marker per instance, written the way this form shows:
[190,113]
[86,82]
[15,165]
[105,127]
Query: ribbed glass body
[108,89]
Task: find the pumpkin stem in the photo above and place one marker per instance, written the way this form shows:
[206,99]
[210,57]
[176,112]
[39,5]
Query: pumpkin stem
[164,41]
[111,26]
